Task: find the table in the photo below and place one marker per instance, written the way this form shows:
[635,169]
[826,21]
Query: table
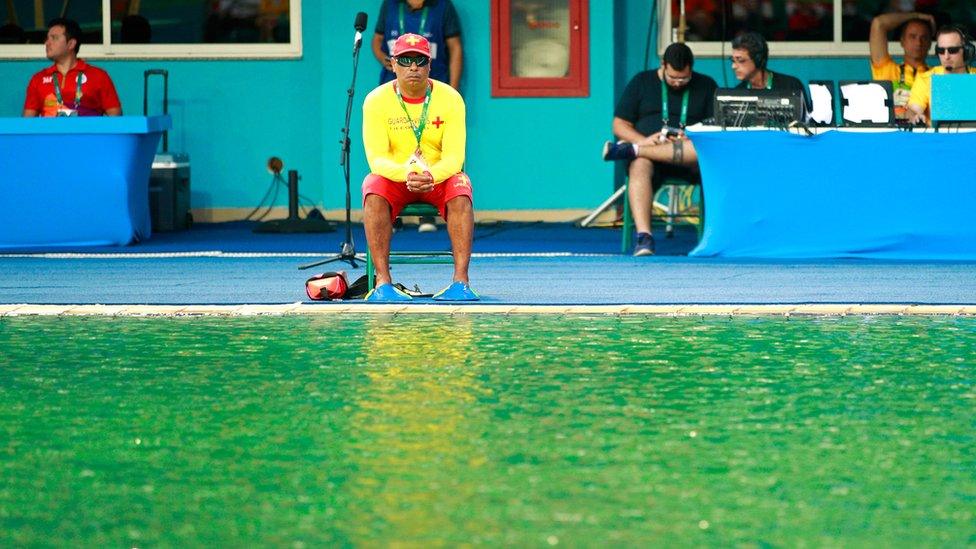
[76,181]
[886,194]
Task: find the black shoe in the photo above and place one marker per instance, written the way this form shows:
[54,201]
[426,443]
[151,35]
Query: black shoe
[645,245]
[621,150]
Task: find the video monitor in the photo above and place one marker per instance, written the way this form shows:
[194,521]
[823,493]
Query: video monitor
[822,100]
[743,108]
[867,103]
[952,99]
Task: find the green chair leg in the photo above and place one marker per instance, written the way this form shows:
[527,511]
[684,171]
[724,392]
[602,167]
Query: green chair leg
[370,271]
[627,241]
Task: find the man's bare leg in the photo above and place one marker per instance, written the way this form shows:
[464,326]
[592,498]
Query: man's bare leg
[379,232]
[639,189]
[680,153]
[460,227]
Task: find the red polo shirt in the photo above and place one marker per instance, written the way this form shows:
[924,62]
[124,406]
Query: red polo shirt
[97,91]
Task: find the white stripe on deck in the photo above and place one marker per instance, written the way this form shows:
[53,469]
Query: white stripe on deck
[235,255]
[135,310]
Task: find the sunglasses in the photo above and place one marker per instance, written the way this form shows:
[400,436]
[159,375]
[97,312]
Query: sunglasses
[406,60]
[950,50]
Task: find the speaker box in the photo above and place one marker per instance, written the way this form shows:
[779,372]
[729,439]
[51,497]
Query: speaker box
[169,192]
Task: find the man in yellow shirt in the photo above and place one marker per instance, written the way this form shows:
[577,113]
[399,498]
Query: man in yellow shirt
[916,39]
[955,53]
[414,136]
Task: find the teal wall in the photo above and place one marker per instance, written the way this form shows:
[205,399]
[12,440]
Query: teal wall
[536,153]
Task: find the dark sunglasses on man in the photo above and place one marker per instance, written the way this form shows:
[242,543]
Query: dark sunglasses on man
[952,50]
[407,60]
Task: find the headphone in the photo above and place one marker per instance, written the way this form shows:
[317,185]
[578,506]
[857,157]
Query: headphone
[968,49]
[756,45]
[761,57]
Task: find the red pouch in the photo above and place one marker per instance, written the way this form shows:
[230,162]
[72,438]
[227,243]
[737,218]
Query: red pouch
[331,285]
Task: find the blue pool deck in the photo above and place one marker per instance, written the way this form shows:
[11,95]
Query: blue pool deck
[515,264]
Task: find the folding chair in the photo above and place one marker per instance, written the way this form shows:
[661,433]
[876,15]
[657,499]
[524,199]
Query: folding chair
[441,257]
[677,189]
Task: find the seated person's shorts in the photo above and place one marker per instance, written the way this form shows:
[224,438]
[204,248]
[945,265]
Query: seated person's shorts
[664,171]
[396,193]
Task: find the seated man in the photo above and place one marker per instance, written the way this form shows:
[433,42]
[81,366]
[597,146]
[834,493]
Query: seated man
[655,107]
[414,135]
[750,53]
[955,52]
[916,39]
[69,87]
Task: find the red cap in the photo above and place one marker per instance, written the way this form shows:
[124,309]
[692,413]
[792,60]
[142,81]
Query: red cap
[408,43]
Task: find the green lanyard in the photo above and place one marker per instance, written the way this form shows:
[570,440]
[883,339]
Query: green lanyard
[664,106]
[423,20]
[418,129]
[57,90]
[769,81]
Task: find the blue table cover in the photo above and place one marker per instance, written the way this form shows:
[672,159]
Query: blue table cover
[889,195]
[76,181]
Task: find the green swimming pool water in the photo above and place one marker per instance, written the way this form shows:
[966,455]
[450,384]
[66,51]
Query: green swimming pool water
[487,430]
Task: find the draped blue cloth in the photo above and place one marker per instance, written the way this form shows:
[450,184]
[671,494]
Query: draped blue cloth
[887,195]
[76,181]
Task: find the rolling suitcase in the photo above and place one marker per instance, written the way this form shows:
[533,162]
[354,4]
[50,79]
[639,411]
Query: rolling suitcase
[169,181]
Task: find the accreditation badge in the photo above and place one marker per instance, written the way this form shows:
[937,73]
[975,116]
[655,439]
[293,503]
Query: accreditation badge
[901,93]
[417,163]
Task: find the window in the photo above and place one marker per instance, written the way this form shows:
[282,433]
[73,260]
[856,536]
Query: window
[798,27]
[540,48]
[159,28]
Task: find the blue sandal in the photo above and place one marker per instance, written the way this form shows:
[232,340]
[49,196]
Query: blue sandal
[458,291]
[386,293]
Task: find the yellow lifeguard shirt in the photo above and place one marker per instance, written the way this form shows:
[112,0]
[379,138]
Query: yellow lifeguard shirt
[390,141]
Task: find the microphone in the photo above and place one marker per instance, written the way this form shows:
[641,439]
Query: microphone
[360,26]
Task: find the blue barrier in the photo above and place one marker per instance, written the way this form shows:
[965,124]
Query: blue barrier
[76,181]
[842,193]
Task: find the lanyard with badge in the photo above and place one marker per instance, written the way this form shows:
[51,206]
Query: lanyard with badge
[423,20]
[664,108]
[418,128]
[62,109]
[902,92]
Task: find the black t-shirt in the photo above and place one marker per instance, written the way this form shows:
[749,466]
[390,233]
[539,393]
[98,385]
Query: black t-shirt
[640,103]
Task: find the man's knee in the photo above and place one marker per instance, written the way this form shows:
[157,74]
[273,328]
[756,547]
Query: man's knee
[640,166]
[376,203]
[458,205]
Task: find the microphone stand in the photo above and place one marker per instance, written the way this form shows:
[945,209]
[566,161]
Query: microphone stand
[347,250]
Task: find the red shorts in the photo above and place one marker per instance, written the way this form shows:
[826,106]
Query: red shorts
[398,196]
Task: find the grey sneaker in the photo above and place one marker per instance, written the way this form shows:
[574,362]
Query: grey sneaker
[645,245]
[427,225]
[619,151]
